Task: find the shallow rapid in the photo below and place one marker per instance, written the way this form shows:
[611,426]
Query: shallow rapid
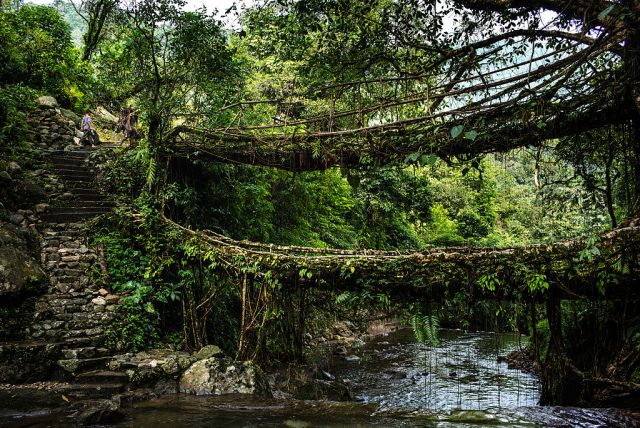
[461,372]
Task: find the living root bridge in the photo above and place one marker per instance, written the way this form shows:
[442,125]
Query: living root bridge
[605,267]
[380,145]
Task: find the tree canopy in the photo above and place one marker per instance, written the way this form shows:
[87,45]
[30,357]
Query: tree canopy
[383,80]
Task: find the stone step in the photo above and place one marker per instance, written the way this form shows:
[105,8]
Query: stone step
[78,342]
[67,210]
[63,279]
[80,365]
[89,332]
[57,231]
[69,170]
[62,153]
[89,390]
[103,376]
[85,352]
[67,160]
[70,164]
[75,353]
[78,191]
[75,226]
[90,203]
[68,176]
[57,159]
[61,236]
[73,215]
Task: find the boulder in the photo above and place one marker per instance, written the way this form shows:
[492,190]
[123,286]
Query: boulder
[208,352]
[31,192]
[105,117]
[218,376]
[70,116]
[97,412]
[27,362]
[14,168]
[177,363]
[47,102]
[19,269]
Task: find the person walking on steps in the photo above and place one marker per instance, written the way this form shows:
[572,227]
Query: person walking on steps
[86,129]
[130,132]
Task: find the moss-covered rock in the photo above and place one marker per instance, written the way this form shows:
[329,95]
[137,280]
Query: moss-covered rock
[218,376]
[20,272]
[209,351]
[26,362]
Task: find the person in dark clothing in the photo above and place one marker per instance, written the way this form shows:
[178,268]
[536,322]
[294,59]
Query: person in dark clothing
[87,130]
[129,125]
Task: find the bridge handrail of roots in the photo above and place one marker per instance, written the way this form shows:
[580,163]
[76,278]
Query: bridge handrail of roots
[452,263]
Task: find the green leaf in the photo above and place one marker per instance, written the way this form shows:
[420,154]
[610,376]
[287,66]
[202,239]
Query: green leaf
[471,135]
[412,157]
[606,12]
[427,159]
[456,131]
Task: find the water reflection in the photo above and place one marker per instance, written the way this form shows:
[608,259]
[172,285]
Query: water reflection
[462,372]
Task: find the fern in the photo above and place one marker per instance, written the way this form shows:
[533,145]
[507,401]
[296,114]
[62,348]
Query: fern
[344,297]
[425,328]
[151,171]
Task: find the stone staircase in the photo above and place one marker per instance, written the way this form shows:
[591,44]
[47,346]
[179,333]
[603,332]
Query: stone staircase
[96,384]
[75,312]
[86,201]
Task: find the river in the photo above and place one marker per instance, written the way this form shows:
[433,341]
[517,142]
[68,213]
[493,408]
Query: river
[397,383]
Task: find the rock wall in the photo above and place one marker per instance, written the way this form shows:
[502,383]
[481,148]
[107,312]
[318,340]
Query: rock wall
[54,128]
[21,279]
[73,311]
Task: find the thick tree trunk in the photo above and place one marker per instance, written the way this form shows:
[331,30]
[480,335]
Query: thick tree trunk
[636,166]
[561,383]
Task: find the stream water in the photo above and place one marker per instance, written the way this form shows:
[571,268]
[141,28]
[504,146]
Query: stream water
[398,383]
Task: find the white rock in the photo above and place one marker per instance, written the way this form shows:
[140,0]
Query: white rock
[99,301]
[45,101]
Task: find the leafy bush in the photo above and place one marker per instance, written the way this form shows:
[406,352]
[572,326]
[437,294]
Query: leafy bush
[15,102]
[36,50]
